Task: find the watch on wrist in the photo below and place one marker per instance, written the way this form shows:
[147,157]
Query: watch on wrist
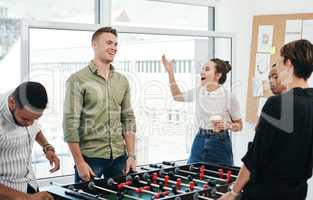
[132,156]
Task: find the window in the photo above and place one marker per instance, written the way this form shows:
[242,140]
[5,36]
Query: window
[11,15]
[77,11]
[162,15]
[54,55]
[9,51]
[161,122]
[58,50]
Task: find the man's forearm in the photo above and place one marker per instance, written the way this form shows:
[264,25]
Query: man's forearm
[76,153]
[41,139]
[130,140]
[242,180]
[11,194]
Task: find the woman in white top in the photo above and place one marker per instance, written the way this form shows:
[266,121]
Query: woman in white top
[217,112]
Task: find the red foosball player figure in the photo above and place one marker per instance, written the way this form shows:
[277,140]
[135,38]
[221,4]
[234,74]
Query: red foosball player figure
[221,173]
[178,183]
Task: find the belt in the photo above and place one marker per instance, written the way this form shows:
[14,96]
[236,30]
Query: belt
[211,132]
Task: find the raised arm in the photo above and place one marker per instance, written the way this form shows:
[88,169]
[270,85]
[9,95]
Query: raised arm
[176,93]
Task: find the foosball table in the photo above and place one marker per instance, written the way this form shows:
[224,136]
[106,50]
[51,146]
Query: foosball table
[157,181]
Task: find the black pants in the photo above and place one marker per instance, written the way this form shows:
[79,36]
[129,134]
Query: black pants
[270,191]
[31,190]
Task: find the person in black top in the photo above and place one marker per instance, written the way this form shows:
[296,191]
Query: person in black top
[279,161]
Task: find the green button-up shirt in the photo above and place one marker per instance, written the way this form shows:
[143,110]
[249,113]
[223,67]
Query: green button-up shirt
[97,112]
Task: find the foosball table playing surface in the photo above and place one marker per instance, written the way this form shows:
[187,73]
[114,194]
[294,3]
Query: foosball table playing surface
[167,181]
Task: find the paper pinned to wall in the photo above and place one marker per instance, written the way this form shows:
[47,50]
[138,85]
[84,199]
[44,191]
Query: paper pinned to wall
[262,66]
[307,31]
[257,87]
[265,38]
[293,30]
[289,37]
[294,26]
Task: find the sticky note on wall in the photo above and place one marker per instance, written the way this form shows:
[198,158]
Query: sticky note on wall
[273,50]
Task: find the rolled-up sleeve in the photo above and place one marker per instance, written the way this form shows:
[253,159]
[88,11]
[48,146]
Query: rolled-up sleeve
[234,107]
[127,114]
[73,104]
[259,152]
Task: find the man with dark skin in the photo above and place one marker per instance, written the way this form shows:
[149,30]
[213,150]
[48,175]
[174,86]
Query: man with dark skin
[19,129]
[275,82]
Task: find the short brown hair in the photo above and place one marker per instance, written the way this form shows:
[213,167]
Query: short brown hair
[103,30]
[300,54]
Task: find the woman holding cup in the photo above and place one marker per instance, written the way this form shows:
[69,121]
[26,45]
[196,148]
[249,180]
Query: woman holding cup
[217,112]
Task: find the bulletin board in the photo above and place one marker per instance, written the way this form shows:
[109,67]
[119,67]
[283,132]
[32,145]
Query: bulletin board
[269,34]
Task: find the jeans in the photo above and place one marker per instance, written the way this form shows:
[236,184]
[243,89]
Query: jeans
[211,148]
[107,168]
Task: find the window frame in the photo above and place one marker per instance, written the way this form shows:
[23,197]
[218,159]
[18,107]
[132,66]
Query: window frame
[34,24]
[103,18]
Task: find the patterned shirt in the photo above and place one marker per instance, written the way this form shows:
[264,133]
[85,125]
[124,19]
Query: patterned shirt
[16,144]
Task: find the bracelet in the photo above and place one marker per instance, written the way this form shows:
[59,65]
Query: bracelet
[132,156]
[47,147]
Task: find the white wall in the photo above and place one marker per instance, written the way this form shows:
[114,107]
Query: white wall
[236,16]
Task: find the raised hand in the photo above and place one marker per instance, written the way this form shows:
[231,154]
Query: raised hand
[169,65]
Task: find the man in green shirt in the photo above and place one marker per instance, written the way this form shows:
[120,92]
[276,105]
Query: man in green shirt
[99,123]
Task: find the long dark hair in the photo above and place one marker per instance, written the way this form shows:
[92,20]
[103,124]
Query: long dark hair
[222,67]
